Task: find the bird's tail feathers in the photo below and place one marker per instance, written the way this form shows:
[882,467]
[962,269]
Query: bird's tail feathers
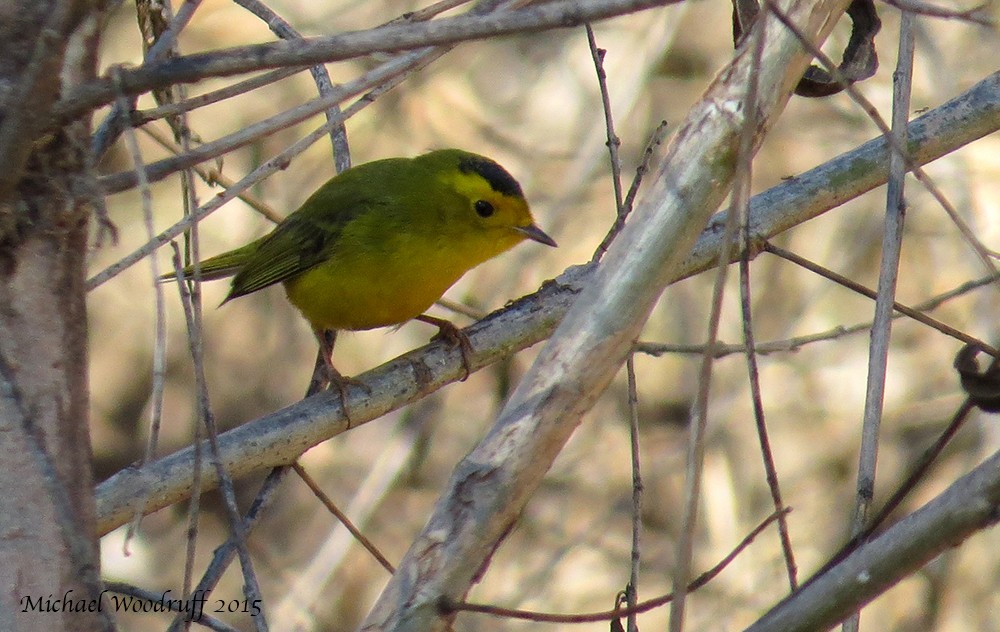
[218,267]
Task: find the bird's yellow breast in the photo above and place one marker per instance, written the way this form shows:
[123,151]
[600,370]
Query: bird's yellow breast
[366,297]
[375,280]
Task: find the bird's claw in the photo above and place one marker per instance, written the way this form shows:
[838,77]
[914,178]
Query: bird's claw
[448,332]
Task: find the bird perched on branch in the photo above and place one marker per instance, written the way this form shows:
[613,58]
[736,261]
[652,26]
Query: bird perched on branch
[379,243]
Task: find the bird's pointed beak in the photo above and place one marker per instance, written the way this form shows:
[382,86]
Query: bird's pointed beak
[536,234]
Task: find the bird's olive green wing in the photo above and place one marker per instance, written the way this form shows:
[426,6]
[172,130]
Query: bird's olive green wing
[304,240]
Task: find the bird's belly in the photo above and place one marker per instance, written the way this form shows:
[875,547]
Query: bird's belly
[383,296]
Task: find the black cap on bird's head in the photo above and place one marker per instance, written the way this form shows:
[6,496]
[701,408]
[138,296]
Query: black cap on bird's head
[501,181]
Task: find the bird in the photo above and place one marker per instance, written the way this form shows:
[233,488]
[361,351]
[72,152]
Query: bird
[379,243]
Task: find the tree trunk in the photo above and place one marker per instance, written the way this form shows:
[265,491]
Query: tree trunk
[49,569]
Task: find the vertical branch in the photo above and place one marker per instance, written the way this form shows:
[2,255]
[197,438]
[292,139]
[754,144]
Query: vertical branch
[192,315]
[696,440]
[613,143]
[741,207]
[632,591]
[159,332]
[699,414]
[224,554]
[892,240]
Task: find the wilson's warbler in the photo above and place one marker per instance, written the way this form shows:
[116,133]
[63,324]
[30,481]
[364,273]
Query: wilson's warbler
[379,243]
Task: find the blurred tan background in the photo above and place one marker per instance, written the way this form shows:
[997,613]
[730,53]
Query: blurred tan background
[532,103]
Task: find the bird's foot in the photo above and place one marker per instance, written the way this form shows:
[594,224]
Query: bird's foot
[325,375]
[456,337]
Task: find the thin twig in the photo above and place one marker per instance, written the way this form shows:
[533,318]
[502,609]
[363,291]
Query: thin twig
[592,617]
[966,507]
[428,12]
[919,470]
[721,350]
[978,14]
[160,169]
[331,48]
[740,206]
[696,440]
[225,553]
[194,504]
[632,590]
[472,313]
[307,592]
[892,242]
[699,414]
[647,156]
[214,177]
[923,465]
[613,143]
[192,314]
[910,312]
[166,41]
[182,135]
[342,517]
[655,139]
[159,326]
[116,121]
[141,117]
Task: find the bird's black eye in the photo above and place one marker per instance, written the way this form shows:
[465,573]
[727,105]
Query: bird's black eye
[484,208]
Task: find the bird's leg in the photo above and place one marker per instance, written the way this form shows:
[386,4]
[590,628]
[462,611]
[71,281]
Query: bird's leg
[326,375]
[324,362]
[448,331]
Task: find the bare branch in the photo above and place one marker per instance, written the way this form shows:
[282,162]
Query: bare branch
[720,350]
[892,245]
[970,504]
[383,74]
[318,50]
[905,310]
[972,115]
